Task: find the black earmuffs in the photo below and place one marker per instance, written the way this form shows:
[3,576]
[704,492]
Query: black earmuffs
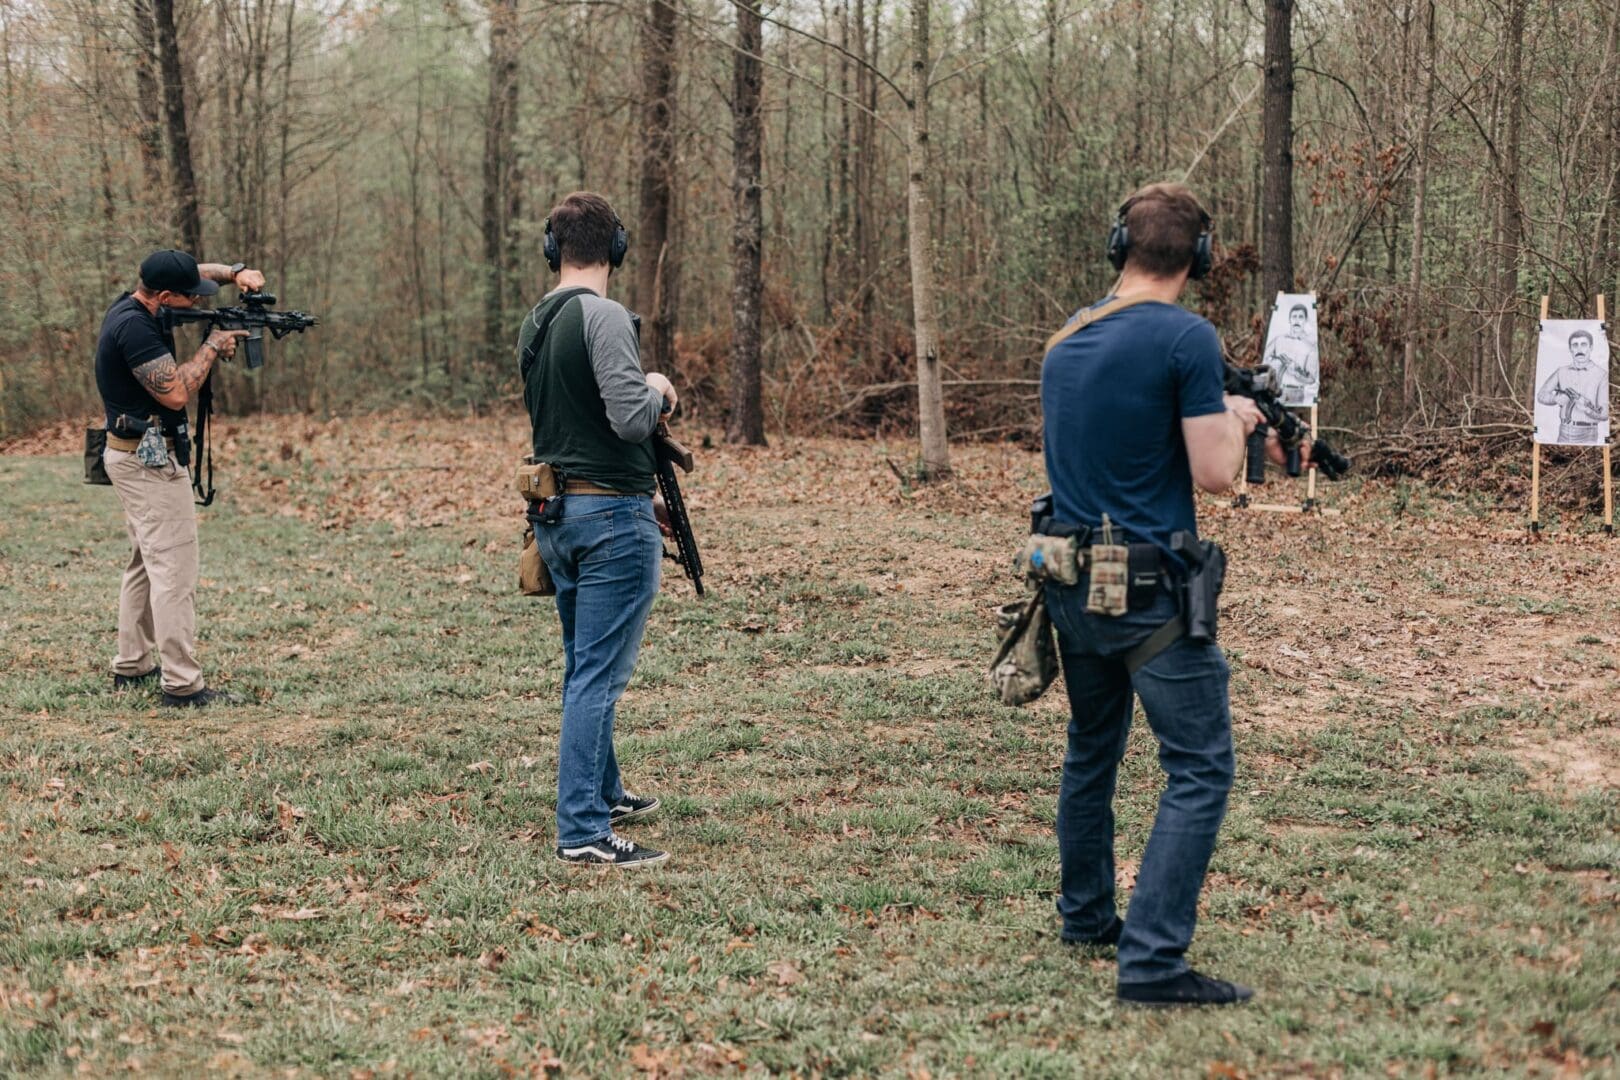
[1119,244]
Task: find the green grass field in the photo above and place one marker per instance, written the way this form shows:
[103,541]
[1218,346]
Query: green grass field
[352,874]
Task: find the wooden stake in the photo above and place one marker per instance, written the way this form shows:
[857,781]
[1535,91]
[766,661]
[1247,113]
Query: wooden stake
[1310,481]
[1608,475]
[1535,447]
[1535,485]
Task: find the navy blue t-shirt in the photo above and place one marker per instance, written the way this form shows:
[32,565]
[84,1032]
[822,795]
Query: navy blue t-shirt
[1114,395]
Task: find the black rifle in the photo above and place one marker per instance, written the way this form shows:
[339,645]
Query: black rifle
[1259,385]
[253,317]
[669,454]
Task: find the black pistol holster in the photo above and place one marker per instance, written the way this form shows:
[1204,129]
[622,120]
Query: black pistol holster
[1198,585]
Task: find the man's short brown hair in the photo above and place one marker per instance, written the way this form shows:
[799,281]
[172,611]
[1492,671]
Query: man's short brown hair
[583,225]
[1165,221]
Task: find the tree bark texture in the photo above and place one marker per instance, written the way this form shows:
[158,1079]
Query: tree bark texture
[188,214]
[1277,202]
[500,152]
[936,451]
[149,136]
[1420,181]
[746,423]
[1511,208]
[657,267]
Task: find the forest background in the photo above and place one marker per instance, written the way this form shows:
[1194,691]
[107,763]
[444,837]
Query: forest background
[819,193]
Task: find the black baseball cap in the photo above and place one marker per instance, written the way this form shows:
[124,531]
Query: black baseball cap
[177,272]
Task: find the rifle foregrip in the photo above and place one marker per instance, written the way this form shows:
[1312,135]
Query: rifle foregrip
[1255,448]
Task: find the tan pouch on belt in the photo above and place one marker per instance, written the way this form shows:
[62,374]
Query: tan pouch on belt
[533,577]
[1050,558]
[536,480]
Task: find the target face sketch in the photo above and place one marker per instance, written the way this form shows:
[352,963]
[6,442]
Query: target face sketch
[1572,383]
[1291,349]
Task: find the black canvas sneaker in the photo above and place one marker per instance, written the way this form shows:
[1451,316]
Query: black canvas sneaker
[613,851]
[1189,989]
[629,807]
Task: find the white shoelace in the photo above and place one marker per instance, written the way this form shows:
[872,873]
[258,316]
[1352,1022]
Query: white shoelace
[626,846]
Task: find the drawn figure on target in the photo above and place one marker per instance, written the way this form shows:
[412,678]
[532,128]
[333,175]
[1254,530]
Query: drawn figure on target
[1580,391]
[1293,354]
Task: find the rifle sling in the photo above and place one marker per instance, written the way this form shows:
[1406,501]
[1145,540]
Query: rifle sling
[1089,316]
[543,325]
[1161,639]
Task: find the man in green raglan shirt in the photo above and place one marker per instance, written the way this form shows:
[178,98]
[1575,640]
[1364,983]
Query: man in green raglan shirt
[594,411]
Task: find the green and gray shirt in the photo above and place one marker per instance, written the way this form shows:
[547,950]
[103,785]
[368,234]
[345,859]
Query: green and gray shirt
[588,399]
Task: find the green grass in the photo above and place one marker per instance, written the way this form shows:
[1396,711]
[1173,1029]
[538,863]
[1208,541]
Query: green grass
[353,871]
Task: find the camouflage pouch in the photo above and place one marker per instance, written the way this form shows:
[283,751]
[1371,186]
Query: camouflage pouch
[150,451]
[1110,589]
[533,577]
[1050,558]
[1026,661]
[536,480]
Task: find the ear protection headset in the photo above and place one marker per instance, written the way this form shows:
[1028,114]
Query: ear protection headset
[1119,243]
[616,248]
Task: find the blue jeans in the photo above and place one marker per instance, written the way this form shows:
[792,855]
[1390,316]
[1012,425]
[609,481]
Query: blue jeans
[604,556]
[1183,692]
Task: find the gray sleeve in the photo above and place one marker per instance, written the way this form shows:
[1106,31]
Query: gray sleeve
[610,339]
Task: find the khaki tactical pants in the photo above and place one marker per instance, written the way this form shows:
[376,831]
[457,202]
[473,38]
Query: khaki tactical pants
[155,606]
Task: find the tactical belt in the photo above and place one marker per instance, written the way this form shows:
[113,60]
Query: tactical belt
[585,487]
[118,442]
[1168,633]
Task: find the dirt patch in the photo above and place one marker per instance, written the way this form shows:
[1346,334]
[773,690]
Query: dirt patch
[1571,766]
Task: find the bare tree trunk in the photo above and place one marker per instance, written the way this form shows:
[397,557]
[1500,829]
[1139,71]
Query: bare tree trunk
[747,421]
[657,266]
[1277,203]
[499,151]
[1511,210]
[1414,323]
[149,134]
[188,215]
[936,451]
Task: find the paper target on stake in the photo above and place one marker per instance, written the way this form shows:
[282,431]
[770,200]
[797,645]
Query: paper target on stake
[1292,351]
[1572,383]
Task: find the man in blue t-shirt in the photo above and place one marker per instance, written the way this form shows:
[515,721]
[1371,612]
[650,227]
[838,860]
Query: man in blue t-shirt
[1135,417]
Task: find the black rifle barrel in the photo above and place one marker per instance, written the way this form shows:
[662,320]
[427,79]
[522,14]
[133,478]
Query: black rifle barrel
[668,454]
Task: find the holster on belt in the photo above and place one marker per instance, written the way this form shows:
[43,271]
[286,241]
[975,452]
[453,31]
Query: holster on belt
[540,484]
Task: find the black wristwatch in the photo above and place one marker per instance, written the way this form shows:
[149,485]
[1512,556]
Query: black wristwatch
[234,269]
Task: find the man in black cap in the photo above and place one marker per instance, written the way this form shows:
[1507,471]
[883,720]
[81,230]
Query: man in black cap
[144,392]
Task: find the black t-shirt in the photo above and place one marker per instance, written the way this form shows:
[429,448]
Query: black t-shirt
[131,336]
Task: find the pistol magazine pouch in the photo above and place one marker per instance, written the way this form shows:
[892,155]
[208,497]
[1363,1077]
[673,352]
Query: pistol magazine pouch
[95,444]
[1026,662]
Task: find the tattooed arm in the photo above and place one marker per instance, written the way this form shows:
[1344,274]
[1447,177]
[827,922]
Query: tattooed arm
[173,384]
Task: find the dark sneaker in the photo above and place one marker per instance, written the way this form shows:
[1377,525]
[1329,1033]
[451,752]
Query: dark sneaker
[130,682]
[1188,989]
[614,851]
[201,699]
[1105,940]
[629,807]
